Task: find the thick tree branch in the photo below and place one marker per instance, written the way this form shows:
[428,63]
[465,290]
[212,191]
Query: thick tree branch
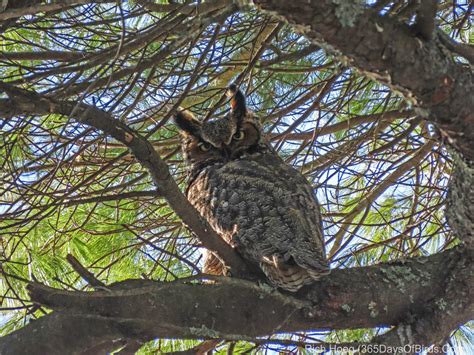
[390,52]
[379,295]
[460,201]
[27,102]
[428,326]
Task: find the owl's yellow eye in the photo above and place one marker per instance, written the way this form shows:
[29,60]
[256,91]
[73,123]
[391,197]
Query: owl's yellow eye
[204,146]
[239,135]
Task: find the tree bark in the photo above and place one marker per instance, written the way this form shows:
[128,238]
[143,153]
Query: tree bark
[391,52]
[460,200]
[380,295]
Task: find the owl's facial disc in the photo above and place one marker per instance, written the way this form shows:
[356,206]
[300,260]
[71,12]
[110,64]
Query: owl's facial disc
[197,151]
[244,140]
[219,132]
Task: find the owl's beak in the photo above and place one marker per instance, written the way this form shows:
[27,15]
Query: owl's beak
[226,151]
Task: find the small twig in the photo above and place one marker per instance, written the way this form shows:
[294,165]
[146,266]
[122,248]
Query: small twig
[83,272]
[464,50]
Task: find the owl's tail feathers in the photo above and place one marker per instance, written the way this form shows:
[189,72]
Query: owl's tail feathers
[213,266]
[317,274]
[315,267]
[291,276]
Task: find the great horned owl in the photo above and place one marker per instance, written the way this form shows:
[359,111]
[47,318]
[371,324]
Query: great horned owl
[255,201]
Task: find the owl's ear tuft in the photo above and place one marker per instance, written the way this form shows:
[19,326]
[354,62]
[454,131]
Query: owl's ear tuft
[187,123]
[231,90]
[237,101]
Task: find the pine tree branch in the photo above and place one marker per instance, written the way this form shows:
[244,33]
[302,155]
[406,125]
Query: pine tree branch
[388,51]
[27,102]
[233,309]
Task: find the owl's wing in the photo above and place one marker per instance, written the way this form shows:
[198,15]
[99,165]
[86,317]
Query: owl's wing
[297,258]
[278,216]
[301,214]
[308,249]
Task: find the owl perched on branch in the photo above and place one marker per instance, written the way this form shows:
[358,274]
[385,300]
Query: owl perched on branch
[256,202]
